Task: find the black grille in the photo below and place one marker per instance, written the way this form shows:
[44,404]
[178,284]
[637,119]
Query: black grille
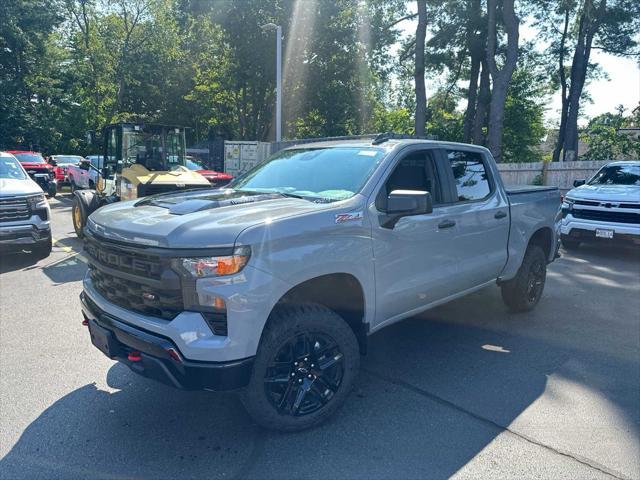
[132,295]
[607,216]
[14,209]
[145,189]
[125,260]
[134,279]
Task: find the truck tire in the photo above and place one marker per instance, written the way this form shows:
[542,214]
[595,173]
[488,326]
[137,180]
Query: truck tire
[52,189]
[79,216]
[523,292]
[305,367]
[43,250]
[570,244]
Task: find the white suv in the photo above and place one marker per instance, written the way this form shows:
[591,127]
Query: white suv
[24,210]
[606,206]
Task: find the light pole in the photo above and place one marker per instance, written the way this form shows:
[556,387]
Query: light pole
[278,29]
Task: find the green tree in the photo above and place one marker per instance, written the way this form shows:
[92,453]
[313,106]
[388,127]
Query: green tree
[613,136]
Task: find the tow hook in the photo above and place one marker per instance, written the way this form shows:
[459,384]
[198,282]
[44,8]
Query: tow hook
[134,356]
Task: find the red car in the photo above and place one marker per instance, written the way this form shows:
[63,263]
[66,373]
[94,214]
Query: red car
[216,179]
[38,169]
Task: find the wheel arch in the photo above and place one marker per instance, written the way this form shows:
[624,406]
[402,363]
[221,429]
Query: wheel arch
[543,237]
[341,292]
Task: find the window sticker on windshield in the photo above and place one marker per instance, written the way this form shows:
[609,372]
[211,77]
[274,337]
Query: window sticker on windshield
[368,153]
[348,217]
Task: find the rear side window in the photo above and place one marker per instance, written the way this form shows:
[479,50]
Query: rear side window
[470,175]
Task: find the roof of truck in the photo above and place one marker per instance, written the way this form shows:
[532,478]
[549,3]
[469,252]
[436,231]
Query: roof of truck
[386,144]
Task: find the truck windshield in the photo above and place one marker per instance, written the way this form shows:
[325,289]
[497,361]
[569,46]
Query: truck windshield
[153,150]
[617,175]
[30,157]
[11,169]
[323,173]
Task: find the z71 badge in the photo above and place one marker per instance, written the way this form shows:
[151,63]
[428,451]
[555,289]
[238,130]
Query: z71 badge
[348,217]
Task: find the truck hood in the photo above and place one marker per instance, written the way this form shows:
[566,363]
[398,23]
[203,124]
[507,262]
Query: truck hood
[36,166]
[10,187]
[194,219]
[608,193]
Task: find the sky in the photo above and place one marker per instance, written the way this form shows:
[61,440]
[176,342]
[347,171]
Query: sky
[621,88]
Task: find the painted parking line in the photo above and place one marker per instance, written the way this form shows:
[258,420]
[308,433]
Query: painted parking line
[63,248]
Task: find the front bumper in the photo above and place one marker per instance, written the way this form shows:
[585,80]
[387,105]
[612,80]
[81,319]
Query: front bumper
[159,358]
[26,234]
[584,230]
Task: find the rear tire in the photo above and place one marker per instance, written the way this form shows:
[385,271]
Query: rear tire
[305,367]
[570,244]
[52,190]
[72,185]
[79,216]
[523,292]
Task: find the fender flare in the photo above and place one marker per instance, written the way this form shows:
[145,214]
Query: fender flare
[89,200]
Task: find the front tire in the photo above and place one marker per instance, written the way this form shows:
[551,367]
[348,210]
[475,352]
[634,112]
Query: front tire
[523,292]
[52,189]
[79,216]
[43,250]
[305,367]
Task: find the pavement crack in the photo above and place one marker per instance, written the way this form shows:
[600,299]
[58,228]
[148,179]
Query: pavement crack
[433,397]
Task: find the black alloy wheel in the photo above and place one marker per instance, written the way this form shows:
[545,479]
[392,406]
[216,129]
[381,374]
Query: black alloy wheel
[535,283]
[304,369]
[305,374]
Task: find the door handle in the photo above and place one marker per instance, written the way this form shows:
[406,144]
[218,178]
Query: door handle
[500,215]
[446,224]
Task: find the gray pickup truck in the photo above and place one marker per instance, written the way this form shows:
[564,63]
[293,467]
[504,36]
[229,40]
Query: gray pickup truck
[272,286]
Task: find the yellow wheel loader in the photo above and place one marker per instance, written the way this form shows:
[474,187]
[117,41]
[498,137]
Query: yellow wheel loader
[138,160]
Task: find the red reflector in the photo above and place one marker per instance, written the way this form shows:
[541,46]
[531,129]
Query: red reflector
[134,357]
[85,323]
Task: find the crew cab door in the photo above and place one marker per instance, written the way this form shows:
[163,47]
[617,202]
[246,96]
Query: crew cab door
[414,261]
[480,211]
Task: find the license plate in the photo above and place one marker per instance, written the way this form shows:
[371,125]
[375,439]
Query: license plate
[102,339]
[602,233]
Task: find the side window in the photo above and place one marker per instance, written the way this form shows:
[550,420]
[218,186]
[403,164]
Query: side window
[417,171]
[112,145]
[470,175]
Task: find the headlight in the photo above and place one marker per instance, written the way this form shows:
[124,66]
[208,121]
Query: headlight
[127,190]
[567,203]
[203,267]
[37,201]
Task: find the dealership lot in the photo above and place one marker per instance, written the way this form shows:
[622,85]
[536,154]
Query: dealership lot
[464,390]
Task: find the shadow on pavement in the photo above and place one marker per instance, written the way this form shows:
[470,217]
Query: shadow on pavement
[71,268]
[17,260]
[435,391]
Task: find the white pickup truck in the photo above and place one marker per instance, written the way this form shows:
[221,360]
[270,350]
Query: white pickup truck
[85,174]
[606,206]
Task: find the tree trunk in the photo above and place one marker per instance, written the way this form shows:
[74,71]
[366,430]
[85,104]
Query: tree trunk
[470,113]
[421,94]
[563,85]
[484,98]
[500,77]
[589,24]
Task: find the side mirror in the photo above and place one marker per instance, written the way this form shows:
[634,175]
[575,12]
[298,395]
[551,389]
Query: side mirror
[84,165]
[404,203]
[577,183]
[52,162]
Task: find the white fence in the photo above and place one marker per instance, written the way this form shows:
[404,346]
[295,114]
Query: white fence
[560,174]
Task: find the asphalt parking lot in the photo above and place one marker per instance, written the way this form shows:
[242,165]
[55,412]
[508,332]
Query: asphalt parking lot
[465,390]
